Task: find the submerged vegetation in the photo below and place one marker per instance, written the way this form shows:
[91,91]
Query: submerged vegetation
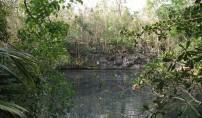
[39,37]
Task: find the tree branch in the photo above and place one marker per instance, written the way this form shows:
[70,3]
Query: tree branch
[27,10]
[192,97]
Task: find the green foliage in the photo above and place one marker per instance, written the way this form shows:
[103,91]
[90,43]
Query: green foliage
[39,11]
[57,90]
[13,108]
[43,37]
[175,77]
[3,23]
[17,69]
[18,74]
[23,66]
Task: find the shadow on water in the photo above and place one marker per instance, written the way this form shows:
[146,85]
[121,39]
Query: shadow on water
[106,94]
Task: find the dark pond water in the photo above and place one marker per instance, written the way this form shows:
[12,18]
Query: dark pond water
[106,94]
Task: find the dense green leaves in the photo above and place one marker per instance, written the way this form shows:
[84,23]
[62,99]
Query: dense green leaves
[175,77]
[43,37]
[18,68]
[3,23]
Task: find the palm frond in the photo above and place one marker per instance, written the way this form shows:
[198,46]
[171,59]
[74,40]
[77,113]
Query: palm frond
[23,63]
[18,66]
[8,71]
[13,108]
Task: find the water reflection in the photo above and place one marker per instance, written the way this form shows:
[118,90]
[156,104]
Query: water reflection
[106,94]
